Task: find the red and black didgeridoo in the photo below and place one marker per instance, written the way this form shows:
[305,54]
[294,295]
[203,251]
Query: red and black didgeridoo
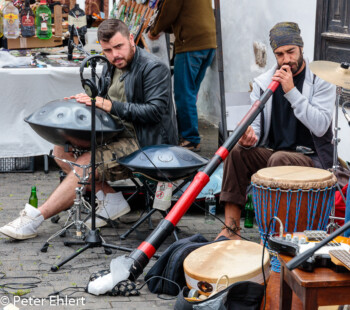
[147,248]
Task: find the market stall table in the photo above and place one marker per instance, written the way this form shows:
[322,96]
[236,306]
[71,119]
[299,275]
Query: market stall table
[24,90]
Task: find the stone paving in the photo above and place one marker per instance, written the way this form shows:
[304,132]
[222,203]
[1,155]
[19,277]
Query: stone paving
[24,258]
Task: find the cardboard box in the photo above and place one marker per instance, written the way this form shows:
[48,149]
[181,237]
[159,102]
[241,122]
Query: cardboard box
[32,42]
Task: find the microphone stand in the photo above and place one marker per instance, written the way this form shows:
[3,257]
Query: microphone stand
[93,238]
[299,259]
[71,45]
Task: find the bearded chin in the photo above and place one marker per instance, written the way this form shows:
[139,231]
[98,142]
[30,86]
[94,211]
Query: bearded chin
[299,64]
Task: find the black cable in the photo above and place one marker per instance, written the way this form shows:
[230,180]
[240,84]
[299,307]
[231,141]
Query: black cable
[75,288]
[163,278]
[58,293]
[18,285]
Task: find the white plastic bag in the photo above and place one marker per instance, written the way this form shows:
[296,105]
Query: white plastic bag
[119,267]
[6,59]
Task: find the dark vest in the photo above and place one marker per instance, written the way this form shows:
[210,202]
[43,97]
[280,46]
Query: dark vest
[323,145]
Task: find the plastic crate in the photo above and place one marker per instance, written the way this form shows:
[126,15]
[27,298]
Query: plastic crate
[17,164]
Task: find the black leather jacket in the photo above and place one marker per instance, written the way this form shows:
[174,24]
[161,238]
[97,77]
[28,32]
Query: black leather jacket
[149,103]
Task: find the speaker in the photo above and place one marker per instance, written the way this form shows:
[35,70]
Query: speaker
[91,88]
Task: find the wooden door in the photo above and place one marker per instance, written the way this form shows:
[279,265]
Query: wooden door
[332,37]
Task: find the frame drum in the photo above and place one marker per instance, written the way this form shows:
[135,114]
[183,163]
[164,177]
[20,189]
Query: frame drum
[236,259]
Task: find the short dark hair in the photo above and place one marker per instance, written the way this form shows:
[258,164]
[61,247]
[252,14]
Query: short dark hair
[109,27]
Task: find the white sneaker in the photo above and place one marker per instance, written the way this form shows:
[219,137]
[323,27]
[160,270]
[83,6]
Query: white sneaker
[112,206]
[25,226]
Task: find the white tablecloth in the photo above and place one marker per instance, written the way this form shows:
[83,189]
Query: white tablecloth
[23,91]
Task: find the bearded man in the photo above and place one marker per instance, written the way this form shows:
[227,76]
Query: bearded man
[139,96]
[293,129]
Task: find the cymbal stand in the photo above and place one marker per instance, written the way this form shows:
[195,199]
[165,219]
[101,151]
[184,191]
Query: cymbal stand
[332,226]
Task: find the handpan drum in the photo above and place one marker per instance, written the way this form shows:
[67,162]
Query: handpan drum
[163,162]
[67,121]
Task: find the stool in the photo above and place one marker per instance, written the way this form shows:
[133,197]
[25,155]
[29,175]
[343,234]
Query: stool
[161,163]
[149,187]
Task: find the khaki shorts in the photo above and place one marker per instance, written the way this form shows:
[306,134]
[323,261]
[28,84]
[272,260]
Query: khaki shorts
[110,170]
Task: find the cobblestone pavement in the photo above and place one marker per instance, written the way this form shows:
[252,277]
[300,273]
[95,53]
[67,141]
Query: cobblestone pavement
[24,258]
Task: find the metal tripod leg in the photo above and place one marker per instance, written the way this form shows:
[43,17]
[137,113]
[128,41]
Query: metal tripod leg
[139,222]
[332,226]
[76,253]
[77,222]
[150,210]
[93,240]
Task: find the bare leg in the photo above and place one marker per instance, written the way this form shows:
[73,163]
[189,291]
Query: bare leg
[63,196]
[59,152]
[232,220]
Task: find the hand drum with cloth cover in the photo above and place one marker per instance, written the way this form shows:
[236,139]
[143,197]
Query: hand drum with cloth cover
[206,267]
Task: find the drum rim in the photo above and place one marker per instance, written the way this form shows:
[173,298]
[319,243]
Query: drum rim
[260,179]
[255,278]
[252,274]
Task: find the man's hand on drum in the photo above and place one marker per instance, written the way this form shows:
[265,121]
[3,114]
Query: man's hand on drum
[249,138]
[101,103]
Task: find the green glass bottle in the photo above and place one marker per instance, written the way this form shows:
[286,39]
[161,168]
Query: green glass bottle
[33,199]
[43,21]
[249,213]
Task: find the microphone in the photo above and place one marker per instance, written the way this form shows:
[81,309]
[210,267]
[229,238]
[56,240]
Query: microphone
[71,43]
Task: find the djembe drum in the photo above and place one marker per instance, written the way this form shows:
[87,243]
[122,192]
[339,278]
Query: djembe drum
[207,267]
[301,197]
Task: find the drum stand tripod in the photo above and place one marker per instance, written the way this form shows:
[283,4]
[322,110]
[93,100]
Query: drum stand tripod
[93,238]
[332,224]
[75,212]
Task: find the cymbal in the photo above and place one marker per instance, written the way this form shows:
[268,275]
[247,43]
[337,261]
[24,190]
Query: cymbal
[332,72]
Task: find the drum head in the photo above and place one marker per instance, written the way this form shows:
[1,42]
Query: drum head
[294,177]
[239,260]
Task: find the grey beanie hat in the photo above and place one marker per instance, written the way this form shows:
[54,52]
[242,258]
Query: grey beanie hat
[285,33]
